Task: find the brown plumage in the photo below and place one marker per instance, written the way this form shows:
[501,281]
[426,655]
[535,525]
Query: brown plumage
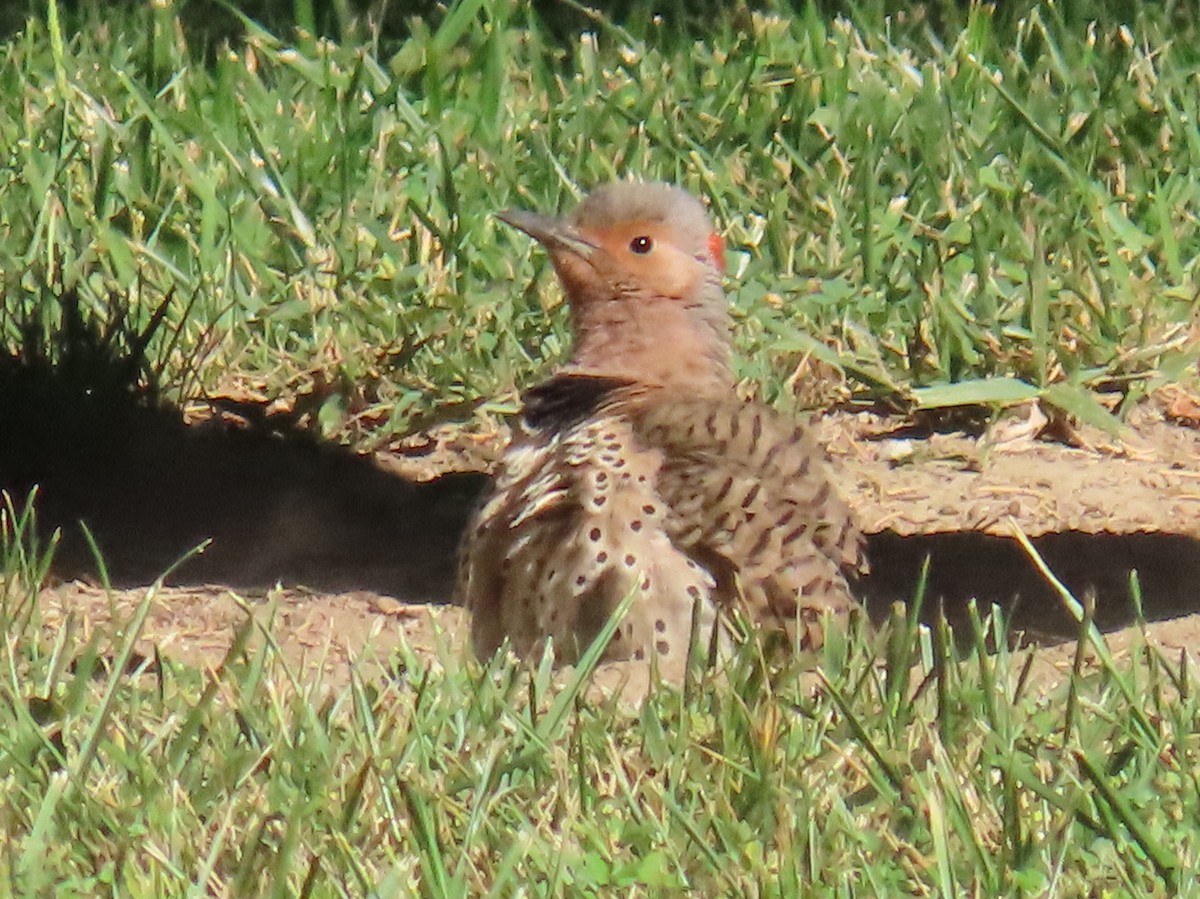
[638,470]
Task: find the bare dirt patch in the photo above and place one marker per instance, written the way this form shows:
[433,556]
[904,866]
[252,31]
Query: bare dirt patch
[338,553]
[320,637]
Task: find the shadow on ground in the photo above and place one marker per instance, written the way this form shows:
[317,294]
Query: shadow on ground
[82,419]
[274,504]
[280,507]
[991,569]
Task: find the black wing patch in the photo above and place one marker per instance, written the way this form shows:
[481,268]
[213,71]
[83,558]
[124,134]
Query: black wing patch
[565,400]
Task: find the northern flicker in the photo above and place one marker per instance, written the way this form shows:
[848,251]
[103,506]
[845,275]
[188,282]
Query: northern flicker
[639,471]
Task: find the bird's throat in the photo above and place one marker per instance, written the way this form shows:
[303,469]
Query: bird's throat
[655,341]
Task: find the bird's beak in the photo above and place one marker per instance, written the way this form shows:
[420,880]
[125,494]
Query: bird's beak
[552,233]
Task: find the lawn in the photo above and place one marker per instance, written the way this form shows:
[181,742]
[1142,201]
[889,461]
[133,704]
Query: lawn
[946,205]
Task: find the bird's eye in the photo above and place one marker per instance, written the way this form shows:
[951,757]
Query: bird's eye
[641,245]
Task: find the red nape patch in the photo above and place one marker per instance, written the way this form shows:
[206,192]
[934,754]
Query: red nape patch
[716,249]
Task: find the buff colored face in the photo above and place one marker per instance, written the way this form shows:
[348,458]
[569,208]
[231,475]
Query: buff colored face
[641,270]
[648,252]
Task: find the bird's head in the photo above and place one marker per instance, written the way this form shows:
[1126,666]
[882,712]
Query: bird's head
[641,266]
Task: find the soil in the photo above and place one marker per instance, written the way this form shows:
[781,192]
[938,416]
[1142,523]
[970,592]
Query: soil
[342,557]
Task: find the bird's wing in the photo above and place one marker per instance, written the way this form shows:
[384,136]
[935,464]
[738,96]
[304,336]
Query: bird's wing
[751,493]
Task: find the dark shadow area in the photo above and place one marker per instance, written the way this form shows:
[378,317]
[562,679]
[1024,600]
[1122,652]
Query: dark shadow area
[921,424]
[82,419]
[996,570]
[210,24]
[277,506]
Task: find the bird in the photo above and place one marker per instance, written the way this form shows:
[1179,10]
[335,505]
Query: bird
[639,473]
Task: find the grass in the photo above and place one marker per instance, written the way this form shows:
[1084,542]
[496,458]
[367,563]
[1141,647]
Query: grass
[948,205]
[934,213]
[930,773]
